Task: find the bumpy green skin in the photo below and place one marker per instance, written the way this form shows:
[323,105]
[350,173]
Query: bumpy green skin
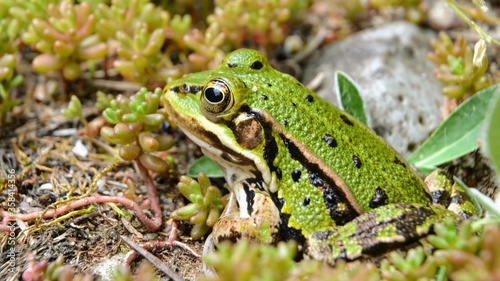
[328,168]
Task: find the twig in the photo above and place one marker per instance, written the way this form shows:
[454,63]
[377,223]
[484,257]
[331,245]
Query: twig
[150,257]
[186,247]
[156,245]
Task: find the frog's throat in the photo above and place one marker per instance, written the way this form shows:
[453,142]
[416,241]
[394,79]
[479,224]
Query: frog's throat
[237,172]
[236,166]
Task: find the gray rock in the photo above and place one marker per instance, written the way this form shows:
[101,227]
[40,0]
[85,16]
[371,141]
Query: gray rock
[389,63]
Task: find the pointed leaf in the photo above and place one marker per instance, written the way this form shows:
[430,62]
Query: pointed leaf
[491,136]
[207,166]
[458,134]
[349,97]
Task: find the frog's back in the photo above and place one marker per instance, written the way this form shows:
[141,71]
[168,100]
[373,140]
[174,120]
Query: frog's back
[352,151]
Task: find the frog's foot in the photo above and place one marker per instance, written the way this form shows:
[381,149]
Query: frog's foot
[376,232]
[256,219]
[208,248]
[446,192]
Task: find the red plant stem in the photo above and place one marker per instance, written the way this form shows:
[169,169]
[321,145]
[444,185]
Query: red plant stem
[5,228]
[152,225]
[152,194]
[173,232]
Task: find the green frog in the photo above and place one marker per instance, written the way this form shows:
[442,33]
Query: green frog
[299,168]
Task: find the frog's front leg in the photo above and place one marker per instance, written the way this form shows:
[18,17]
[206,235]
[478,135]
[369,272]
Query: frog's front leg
[249,214]
[376,232]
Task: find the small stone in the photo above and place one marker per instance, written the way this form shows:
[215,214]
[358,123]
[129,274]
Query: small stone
[46,186]
[80,150]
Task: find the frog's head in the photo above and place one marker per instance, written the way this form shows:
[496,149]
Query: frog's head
[205,100]
[212,108]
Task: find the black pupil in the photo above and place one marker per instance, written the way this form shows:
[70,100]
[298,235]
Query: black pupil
[214,95]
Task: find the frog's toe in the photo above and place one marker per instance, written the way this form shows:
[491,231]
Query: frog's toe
[447,193]
[262,224]
[209,247]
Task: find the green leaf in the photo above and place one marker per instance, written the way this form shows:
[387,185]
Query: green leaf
[153,119]
[18,80]
[207,166]
[74,108]
[110,116]
[457,135]
[130,117]
[350,98]
[491,136]
[457,65]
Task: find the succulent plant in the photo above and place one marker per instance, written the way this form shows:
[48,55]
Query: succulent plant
[146,43]
[456,68]
[312,270]
[15,17]
[249,261]
[265,22]
[140,30]
[7,64]
[145,272]
[23,12]
[65,38]
[103,100]
[135,119]
[54,271]
[410,265]
[414,9]
[8,81]
[206,204]
[234,23]
[448,237]
[459,254]
[484,265]
[454,249]
[9,30]
[207,52]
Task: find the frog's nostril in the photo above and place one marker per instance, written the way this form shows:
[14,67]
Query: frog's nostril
[256,65]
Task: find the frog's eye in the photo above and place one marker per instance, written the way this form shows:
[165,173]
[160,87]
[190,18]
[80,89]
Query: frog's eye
[216,97]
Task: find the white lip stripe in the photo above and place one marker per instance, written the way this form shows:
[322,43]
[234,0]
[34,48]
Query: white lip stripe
[216,155]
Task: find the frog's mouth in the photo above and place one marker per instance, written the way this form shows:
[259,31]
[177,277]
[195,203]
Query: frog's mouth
[236,167]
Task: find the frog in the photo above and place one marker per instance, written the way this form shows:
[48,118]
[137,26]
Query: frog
[299,168]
